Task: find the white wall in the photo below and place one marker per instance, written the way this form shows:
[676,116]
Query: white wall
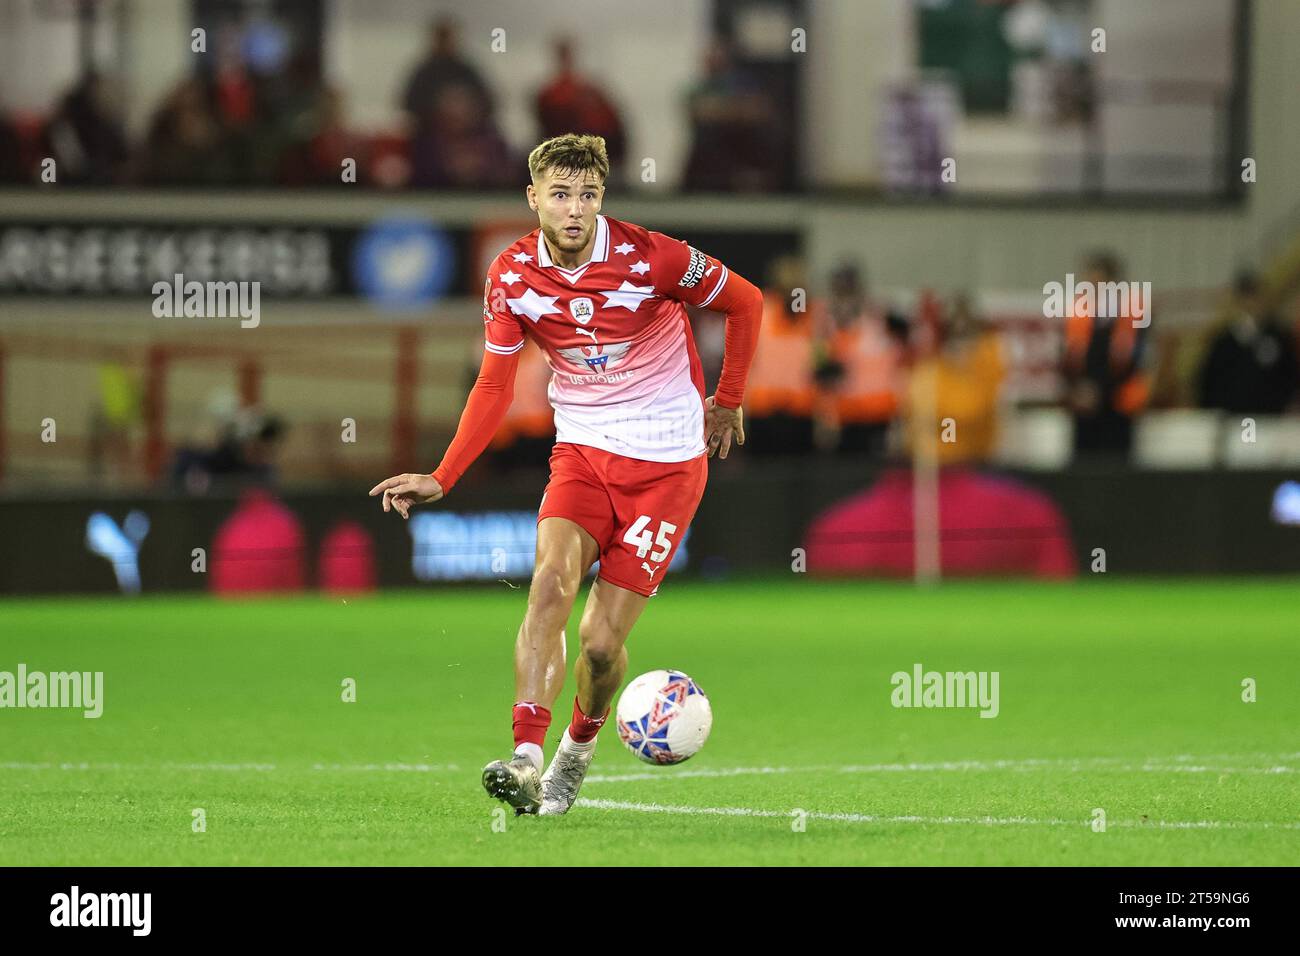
[159,56]
[854,50]
[1173,55]
[39,58]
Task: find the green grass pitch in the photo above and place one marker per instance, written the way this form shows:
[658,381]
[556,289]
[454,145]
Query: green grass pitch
[1121,696]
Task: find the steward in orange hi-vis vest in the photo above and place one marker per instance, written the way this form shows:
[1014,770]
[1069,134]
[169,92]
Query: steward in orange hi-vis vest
[1103,365]
[870,356]
[781,377]
[1109,352]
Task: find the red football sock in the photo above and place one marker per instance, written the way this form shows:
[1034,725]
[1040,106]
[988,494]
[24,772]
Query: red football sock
[583,728]
[531,721]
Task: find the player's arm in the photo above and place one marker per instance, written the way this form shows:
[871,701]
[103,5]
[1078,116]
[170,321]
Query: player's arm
[742,302]
[488,402]
[704,281]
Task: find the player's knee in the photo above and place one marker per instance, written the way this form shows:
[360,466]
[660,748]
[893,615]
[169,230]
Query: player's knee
[601,655]
[552,588]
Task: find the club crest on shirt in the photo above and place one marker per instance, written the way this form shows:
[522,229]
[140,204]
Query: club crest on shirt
[581,310]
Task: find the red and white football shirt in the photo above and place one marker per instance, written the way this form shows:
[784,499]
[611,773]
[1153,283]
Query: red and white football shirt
[625,373]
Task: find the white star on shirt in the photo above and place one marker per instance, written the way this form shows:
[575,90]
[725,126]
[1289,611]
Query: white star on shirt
[522,257]
[510,277]
[641,268]
[533,305]
[624,248]
[627,296]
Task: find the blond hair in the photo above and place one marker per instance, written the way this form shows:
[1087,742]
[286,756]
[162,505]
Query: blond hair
[572,152]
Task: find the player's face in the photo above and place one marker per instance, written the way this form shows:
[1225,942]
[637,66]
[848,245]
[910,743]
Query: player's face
[566,204]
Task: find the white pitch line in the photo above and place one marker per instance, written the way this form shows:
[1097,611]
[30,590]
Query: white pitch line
[602,804]
[1182,763]
[812,815]
[392,766]
[942,821]
[87,765]
[387,767]
[1152,765]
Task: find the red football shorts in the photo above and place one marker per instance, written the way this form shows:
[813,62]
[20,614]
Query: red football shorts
[636,510]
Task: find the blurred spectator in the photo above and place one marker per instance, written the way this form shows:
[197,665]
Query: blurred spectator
[186,145]
[115,415]
[290,105]
[861,370]
[780,396]
[12,168]
[318,158]
[441,69]
[234,93]
[248,118]
[449,109]
[953,395]
[733,129]
[572,103]
[1251,364]
[87,136]
[244,454]
[463,149]
[1103,367]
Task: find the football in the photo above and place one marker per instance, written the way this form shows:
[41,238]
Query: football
[664,717]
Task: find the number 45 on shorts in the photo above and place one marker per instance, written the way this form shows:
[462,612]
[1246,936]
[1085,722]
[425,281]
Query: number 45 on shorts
[638,536]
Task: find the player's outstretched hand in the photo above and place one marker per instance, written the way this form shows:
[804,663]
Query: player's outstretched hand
[720,425]
[403,491]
